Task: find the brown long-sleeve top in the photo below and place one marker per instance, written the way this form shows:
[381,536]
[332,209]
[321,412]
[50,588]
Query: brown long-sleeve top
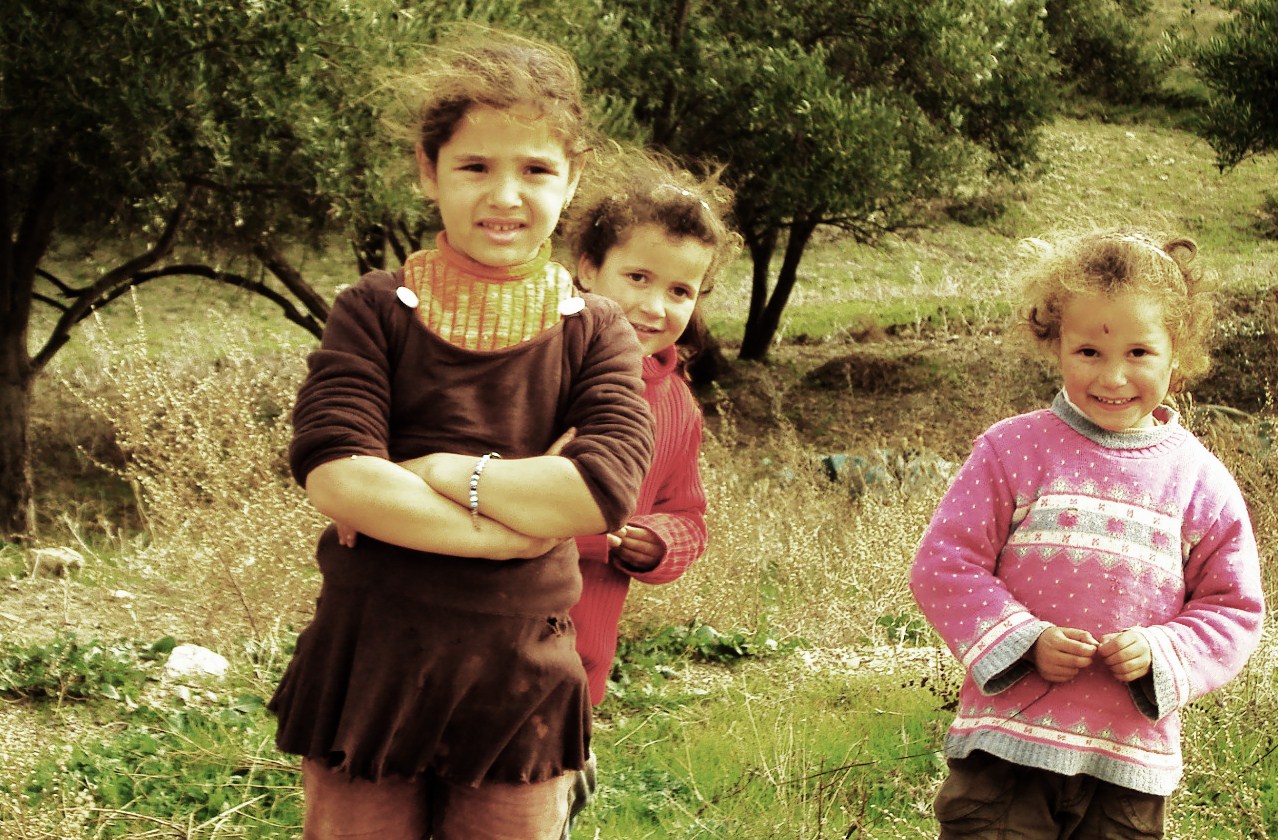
[384,385]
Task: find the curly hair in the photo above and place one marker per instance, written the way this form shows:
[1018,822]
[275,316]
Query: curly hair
[633,188]
[1117,262]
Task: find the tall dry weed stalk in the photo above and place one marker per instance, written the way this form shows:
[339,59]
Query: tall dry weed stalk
[203,437]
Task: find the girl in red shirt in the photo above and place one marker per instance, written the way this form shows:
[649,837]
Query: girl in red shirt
[653,238]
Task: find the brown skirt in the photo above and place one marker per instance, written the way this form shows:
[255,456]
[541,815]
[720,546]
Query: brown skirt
[385,685]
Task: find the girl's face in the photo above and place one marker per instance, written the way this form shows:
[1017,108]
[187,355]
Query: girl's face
[656,278]
[1116,358]
[500,181]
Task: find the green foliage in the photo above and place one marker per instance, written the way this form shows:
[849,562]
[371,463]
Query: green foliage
[785,753]
[66,668]
[830,113]
[1100,45]
[1267,215]
[641,661]
[1240,67]
[264,108]
[200,770]
[905,628]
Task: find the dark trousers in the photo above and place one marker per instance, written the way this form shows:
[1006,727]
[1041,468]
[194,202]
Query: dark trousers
[988,798]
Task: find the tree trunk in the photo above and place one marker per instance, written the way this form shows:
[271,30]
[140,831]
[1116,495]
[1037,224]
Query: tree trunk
[663,123]
[276,263]
[369,245]
[15,437]
[20,254]
[761,246]
[761,328]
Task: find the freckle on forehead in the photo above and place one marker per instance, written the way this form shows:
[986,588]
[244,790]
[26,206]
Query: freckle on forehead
[1105,327]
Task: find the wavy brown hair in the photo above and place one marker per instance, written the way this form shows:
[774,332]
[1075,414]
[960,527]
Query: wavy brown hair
[480,66]
[630,188]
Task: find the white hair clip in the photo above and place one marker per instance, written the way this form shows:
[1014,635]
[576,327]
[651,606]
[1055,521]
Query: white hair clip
[685,193]
[1144,243]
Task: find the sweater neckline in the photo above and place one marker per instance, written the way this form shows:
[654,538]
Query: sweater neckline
[1129,440]
[660,364]
[491,273]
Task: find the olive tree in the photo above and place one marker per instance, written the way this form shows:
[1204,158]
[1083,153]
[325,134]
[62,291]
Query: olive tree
[829,113]
[128,129]
[1239,65]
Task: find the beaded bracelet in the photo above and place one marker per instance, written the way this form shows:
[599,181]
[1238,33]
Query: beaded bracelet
[474,486]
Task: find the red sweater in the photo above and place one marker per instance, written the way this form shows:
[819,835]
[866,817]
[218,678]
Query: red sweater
[672,504]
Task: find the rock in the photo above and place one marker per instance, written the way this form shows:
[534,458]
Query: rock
[907,471]
[54,562]
[195,661]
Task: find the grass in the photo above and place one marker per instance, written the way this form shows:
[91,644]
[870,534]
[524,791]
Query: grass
[815,707]
[1092,174]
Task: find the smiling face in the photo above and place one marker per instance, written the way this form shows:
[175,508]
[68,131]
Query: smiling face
[1116,358]
[501,181]
[655,278]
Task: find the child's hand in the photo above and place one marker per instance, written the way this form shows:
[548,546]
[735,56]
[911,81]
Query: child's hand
[636,548]
[1060,653]
[346,534]
[1127,654]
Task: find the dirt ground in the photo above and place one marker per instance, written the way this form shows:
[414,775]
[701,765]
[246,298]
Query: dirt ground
[938,392]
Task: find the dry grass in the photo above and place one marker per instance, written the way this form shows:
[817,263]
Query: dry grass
[225,549]
[202,444]
[792,551]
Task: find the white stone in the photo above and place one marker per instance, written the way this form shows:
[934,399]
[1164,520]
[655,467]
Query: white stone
[195,661]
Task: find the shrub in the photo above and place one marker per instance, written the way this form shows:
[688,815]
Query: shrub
[203,444]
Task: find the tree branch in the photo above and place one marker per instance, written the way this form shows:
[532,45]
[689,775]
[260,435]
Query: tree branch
[120,276]
[277,264]
[290,311]
[56,304]
[64,288]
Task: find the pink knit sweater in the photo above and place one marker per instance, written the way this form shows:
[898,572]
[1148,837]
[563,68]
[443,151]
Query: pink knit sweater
[672,504]
[1054,521]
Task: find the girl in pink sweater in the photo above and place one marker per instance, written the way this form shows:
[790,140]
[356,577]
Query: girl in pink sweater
[653,238]
[1093,565]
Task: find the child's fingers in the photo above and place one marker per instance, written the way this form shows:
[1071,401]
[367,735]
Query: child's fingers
[1081,636]
[1127,669]
[346,535]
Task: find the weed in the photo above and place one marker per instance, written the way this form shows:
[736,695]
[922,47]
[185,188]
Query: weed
[67,669]
[642,660]
[203,446]
[201,773]
[804,743]
[1267,215]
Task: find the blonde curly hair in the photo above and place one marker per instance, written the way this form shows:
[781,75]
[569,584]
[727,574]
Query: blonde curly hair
[1116,262]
